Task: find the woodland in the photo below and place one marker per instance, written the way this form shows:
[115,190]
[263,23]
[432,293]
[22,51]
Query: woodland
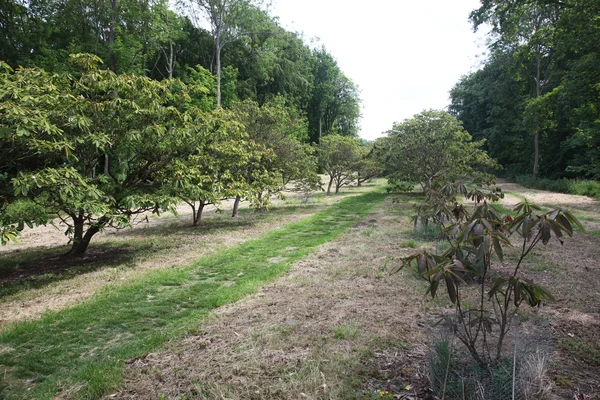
[229,234]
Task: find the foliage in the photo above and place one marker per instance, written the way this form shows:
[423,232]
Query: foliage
[537,95]
[335,106]
[477,242]
[95,144]
[288,162]
[260,60]
[338,156]
[368,166]
[204,170]
[564,185]
[433,147]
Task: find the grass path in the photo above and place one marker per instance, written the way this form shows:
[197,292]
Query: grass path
[80,352]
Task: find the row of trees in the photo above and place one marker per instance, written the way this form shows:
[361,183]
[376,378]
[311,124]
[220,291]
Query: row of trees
[243,54]
[537,99]
[95,148]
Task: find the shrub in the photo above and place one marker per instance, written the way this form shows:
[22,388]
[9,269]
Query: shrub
[581,187]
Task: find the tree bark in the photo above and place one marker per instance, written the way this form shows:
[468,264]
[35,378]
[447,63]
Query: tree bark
[197,214]
[112,34]
[329,186]
[536,139]
[81,241]
[236,206]
[218,66]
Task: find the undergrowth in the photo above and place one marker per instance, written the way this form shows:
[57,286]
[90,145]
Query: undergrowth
[589,188]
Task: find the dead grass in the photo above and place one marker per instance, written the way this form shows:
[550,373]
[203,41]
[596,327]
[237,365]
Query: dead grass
[165,241]
[316,333]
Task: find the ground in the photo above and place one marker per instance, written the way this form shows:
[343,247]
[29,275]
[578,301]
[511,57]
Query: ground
[337,325]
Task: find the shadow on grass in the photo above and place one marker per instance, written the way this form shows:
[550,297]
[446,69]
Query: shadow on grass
[53,265]
[36,268]
[209,225]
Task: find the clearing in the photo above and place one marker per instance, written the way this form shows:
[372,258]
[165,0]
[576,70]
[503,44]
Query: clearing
[334,325]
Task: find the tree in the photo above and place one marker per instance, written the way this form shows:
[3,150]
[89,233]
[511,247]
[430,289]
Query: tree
[432,148]
[223,16]
[529,26]
[276,128]
[338,156]
[475,240]
[368,166]
[334,107]
[204,173]
[490,103]
[132,119]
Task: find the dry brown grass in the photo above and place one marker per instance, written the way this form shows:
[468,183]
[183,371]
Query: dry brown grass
[186,245]
[333,323]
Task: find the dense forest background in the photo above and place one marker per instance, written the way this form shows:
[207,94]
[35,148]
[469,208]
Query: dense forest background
[537,98]
[257,59]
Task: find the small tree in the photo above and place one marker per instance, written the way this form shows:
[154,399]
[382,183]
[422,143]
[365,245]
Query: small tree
[112,136]
[274,130]
[338,156]
[477,241]
[368,166]
[204,172]
[431,147]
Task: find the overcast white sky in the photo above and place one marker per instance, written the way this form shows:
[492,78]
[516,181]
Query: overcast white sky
[405,55]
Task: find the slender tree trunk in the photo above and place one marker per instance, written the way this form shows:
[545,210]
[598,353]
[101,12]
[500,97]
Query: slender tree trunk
[81,241]
[218,66]
[236,206]
[170,58]
[359,182]
[320,127]
[329,186]
[198,213]
[536,139]
[112,34]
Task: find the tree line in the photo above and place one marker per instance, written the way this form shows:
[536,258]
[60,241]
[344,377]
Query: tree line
[112,109]
[536,100]
[247,54]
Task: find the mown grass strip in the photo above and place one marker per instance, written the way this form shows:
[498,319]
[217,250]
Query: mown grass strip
[80,352]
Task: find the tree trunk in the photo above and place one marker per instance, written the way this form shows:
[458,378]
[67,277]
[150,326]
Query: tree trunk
[218,66]
[197,214]
[359,182]
[338,185]
[81,241]
[329,186]
[236,206]
[112,34]
[170,58]
[536,138]
[320,128]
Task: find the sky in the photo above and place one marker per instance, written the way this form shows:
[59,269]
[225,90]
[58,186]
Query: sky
[404,55]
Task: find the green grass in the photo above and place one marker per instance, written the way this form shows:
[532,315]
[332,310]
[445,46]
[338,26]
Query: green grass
[85,347]
[131,247]
[587,352]
[589,188]
[345,331]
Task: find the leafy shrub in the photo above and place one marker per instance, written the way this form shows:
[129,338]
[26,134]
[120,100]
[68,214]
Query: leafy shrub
[581,187]
[585,188]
